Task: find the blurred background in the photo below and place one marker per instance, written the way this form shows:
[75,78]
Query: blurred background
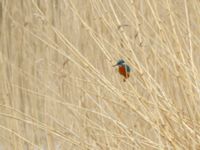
[59,91]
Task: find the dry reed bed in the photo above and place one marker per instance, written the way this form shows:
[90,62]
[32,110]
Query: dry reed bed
[59,90]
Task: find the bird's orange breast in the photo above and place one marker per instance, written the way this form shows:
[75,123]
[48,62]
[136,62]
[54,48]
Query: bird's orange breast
[123,71]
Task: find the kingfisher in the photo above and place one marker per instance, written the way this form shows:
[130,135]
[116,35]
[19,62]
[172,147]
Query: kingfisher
[123,69]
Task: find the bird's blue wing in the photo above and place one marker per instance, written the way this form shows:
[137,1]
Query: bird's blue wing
[128,69]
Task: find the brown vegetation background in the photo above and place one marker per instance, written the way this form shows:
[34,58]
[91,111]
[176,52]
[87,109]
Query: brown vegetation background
[59,91]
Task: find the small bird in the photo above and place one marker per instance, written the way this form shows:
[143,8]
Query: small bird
[124,69]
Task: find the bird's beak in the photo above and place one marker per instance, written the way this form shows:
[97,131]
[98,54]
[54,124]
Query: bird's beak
[114,65]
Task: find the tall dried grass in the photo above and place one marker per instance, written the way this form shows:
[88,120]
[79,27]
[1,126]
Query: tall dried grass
[59,90]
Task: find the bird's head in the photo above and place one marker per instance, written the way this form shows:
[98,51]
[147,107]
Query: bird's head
[119,62]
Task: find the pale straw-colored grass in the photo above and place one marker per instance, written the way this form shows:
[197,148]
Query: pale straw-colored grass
[59,90]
